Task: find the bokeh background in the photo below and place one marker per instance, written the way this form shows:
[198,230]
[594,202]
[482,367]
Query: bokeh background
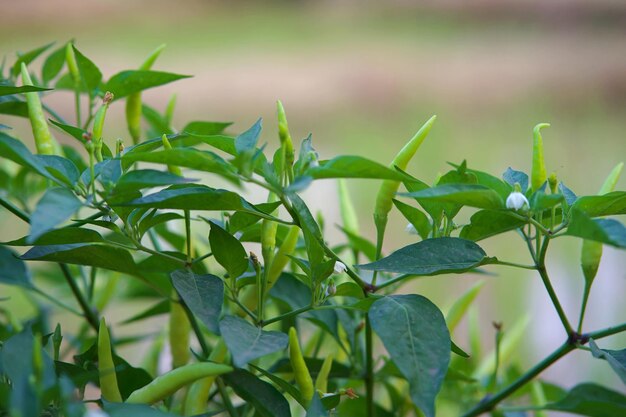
[362,76]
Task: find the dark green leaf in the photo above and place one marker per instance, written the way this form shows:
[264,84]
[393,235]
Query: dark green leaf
[602,205]
[472,195]
[414,332]
[228,251]
[12,269]
[361,244]
[61,236]
[570,197]
[349,166]
[310,229]
[247,342]
[488,180]
[607,231]
[27,58]
[241,220]
[53,65]
[265,399]
[591,400]
[203,294]
[512,177]
[487,223]
[146,178]
[55,207]
[135,410]
[15,151]
[416,217]
[101,256]
[6,90]
[615,358]
[128,82]
[205,128]
[289,388]
[432,257]
[62,169]
[541,201]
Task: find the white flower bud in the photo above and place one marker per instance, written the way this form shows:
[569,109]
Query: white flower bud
[517,201]
[339,268]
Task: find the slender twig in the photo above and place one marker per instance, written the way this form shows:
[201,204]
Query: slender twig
[541,267]
[513,264]
[286,315]
[225,398]
[14,209]
[369,368]
[202,258]
[55,300]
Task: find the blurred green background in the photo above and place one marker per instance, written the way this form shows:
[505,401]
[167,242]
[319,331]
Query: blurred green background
[362,76]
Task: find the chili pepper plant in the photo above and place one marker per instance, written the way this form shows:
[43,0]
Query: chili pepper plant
[244,308]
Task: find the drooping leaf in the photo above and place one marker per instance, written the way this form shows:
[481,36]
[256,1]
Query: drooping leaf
[472,195]
[416,217]
[146,178]
[12,269]
[228,251]
[488,223]
[75,132]
[591,400]
[349,166]
[55,207]
[615,358]
[432,257]
[310,229]
[6,90]
[247,342]
[128,82]
[265,399]
[27,58]
[609,231]
[415,334]
[203,294]
[602,205]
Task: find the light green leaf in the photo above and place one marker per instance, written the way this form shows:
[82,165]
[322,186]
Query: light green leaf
[472,195]
[205,128]
[602,205]
[6,90]
[128,82]
[349,166]
[607,231]
[146,178]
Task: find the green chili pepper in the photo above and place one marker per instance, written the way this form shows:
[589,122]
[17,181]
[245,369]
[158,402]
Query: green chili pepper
[98,124]
[106,367]
[538,174]
[300,370]
[553,183]
[282,256]
[70,59]
[591,251]
[167,146]
[388,189]
[133,101]
[169,110]
[348,213]
[198,393]
[179,332]
[150,360]
[166,384]
[285,141]
[44,141]
[321,382]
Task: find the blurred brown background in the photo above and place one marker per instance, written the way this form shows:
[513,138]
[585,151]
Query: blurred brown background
[362,76]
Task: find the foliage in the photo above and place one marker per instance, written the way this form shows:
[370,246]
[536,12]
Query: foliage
[102,216]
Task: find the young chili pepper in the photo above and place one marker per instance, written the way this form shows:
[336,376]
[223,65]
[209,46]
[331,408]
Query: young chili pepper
[98,124]
[179,332]
[44,141]
[106,368]
[167,146]
[300,370]
[538,174]
[321,382]
[198,394]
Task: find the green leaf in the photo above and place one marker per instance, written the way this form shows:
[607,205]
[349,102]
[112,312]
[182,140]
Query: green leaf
[414,333]
[247,141]
[185,157]
[433,257]
[241,220]
[203,294]
[488,180]
[512,176]
[101,256]
[128,82]
[591,400]
[6,90]
[283,385]
[602,205]
[460,306]
[90,74]
[310,229]
[316,409]
[416,217]
[541,201]
[12,269]
[146,178]
[205,128]
[197,197]
[361,244]
[607,231]
[349,166]
[55,207]
[61,169]
[135,410]
[472,195]
[157,122]
[75,132]
[247,342]
[15,151]
[488,223]
[53,65]
[615,358]
[228,251]
[265,399]
[27,58]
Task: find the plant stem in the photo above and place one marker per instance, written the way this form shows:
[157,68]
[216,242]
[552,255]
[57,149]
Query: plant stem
[197,331]
[54,300]
[225,398]
[609,331]
[369,369]
[202,258]
[583,307]
[90,315]
[14,209]
[188,235]
[292,313]
[513,264]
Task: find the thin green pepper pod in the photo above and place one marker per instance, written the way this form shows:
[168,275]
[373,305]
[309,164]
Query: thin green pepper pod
[179,332]
[282,256]
[553,183]
[106,367]
[300,370]
[167,384]
[321,382]
[348,213]
[133,101]
[98,124]
[285,140]
[72,66]
[538,174]
[388,189]
[44,141]
[167,146]
[198,393]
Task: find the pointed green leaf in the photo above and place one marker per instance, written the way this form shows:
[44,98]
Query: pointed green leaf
[205,128]
[75,132]
[416,217]
[146,178]
[53,65]
[433,257]
[602,205]
[14,150]
[615,358]
[247,140]
[203,294]
[12,269]
[247,342]
[487,223]
[55,207]
[27,58]
[228,251]
[472,195]
[414,333]
[512,177]
[349,166]
[461,305]
[90,74]
[607,231]
[265,399]
[128,82]
[591,400]
[6,90]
